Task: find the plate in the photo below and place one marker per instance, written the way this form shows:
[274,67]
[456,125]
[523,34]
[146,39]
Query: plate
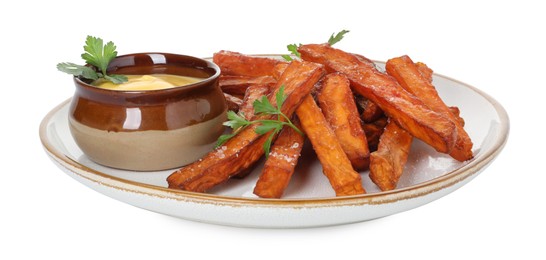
[309,200]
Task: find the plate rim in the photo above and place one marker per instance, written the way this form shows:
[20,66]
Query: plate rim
[430,186]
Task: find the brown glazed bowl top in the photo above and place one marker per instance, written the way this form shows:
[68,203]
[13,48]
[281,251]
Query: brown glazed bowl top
[163,109]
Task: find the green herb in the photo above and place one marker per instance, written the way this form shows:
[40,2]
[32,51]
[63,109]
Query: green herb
[335,39]
[97,55]
[293,48]
[261,106]
[75,69]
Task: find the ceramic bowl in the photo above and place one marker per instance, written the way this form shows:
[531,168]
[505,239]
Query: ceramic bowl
[152,129]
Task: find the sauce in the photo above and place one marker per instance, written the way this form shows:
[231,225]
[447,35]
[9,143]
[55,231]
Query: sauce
[147,82]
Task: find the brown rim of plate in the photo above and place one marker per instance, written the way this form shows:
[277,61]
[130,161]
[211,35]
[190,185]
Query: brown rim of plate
[447,180]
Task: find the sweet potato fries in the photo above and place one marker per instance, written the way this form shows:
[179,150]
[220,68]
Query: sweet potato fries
[410,77]
[407,110]
[376,131]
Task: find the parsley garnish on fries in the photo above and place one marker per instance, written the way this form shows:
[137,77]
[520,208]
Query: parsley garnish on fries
[261,106]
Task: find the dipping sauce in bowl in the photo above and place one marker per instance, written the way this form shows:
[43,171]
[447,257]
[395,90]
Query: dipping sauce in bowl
[147,82]
[154,121]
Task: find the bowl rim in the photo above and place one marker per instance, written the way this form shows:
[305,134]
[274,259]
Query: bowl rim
[206,81]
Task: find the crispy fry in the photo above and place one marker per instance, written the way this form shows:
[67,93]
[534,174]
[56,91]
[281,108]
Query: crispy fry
[335,164]
[337,102]
[407,110]
[234,103]
[253,93]
[387,163]
[410,78]
[280,164]
[234,63]
[237,85]
[373,131]
[246,147]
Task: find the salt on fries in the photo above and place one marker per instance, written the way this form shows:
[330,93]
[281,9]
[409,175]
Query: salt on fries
[374,133]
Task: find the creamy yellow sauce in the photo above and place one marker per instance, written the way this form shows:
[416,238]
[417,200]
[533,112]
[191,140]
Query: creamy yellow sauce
[147,82]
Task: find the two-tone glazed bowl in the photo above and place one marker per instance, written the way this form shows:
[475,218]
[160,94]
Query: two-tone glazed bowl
[152,129]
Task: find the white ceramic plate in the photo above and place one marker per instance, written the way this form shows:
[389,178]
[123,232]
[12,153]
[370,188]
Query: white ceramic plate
[309,200]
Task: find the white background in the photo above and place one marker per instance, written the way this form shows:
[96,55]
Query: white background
[497,47]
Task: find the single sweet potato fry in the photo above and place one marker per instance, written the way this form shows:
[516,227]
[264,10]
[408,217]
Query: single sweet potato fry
[407,110]
[387,163]
[280,164]
[410,78]
[234,63]
[335,164]
[337,102]
[242,151]
[234,103]
[237,85]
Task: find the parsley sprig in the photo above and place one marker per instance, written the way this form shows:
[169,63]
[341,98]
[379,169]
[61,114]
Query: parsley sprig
[335,39]
[293,48]
[261,106]
[97,55]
